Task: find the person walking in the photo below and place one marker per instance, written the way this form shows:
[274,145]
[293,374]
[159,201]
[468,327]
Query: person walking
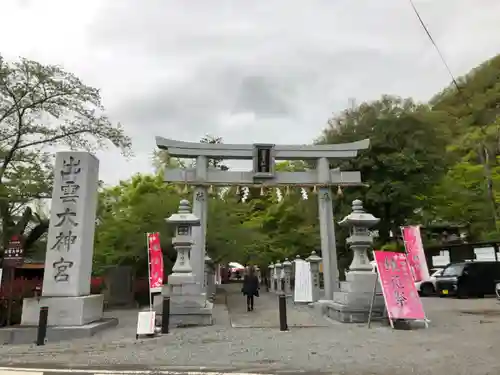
[250,287]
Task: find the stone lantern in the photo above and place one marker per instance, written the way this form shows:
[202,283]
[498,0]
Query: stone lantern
[314,261]
[184,221]
[187,305]
[278,267]
[352,303]
[271,277]
[287,273]
[360,239]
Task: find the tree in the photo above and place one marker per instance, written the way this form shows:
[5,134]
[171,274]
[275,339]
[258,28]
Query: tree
[459,198]
[43,107]
[162,160]
[474,110]
[217,162]
[229,238]
[127,212]
[406,157]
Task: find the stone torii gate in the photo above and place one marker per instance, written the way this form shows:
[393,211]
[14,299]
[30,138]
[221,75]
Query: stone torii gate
[264,175]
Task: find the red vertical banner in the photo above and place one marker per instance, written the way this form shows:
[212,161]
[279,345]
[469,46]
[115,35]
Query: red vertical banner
[155,263]
[400,294]
[415,251]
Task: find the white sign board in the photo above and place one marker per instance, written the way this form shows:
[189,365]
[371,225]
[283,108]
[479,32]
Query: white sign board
[441,260]
[485,254]
[146,323]
[303,284]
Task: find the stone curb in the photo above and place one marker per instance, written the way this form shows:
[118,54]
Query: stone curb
[46,371]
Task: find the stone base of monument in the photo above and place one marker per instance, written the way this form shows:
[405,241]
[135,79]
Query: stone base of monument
[64,311]
[69,318]
[188,307]
[18,335]
[352,303]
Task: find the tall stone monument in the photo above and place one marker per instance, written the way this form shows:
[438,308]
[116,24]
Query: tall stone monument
[70,246]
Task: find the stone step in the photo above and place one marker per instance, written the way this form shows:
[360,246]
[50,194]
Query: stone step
[358,287]
[347,314]
[358,300]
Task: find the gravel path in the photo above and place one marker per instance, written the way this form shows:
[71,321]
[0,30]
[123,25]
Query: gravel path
[265,314]
[463,338]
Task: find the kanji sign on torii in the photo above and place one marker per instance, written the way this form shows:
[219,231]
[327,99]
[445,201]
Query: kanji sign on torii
[264,174]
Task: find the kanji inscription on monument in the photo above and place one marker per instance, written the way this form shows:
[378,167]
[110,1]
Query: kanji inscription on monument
[70,247]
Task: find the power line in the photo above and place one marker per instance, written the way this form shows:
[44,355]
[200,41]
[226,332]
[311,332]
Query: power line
[441,56]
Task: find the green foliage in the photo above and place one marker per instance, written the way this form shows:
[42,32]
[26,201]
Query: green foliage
[126,213]
[42,107]
[468,192]
[407,155]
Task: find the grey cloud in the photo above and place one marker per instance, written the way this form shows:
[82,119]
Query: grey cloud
[304,93]
[275,71]
[263,97]
[254,71]
[196,104]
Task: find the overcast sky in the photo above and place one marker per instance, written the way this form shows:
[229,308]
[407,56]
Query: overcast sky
[249,71]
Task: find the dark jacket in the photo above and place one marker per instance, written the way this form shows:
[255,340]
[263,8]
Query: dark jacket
[250,285]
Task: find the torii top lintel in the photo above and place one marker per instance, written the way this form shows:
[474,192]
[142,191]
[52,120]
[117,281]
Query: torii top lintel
[246,151]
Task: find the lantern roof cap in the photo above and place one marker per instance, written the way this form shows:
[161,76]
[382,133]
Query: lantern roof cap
[184,215]
[359,217]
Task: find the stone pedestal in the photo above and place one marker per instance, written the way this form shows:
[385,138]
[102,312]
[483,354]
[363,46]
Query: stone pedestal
[64,311]
[188,307]
[352,303]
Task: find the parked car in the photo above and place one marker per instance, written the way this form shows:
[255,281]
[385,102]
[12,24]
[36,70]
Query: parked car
[468,279]
[428,287]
